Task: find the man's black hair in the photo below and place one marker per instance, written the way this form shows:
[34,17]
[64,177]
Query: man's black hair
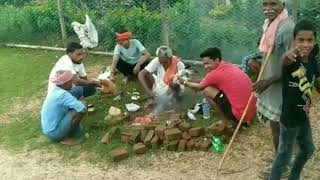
[71,47]
[122,30]
[213,53]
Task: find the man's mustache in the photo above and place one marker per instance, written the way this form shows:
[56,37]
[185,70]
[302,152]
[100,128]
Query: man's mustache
[79,62]
[268,11]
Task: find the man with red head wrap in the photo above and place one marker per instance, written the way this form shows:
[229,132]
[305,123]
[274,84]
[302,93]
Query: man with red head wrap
[130,56]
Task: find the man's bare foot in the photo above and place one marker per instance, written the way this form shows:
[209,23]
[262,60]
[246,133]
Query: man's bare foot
[70,141]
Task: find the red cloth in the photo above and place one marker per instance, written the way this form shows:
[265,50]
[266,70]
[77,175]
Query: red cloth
[236,85]
[171,70]
[63,78]
[124,36]
[270,31]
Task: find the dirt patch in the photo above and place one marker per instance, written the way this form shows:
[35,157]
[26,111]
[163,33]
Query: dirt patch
[32,104]
[95,70]
[241,164]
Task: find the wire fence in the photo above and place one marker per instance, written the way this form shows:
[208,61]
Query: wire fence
[188,26]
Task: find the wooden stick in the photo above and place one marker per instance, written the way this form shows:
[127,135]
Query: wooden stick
[264,64]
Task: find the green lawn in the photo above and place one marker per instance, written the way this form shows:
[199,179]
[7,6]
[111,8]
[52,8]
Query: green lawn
[24,75]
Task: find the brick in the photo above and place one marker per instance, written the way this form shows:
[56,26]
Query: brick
[117,120]
[196,132]
[186,136]
[175,116]
[119,154]
[139,148]
[150,126]
[143,135]
[165,142]
[106,139]
[190,145]
[135,138]
[182,145]
[172,134]
[197,143]
[172,145]
[147,140]
[136,127]
[184,126]
[159,131]
[215,130]
[205,145]
[174,123]
[125,137]
[155,142]
[208,133]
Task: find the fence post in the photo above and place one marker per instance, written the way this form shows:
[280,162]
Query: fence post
[62,23]
[295,9]
[164,23]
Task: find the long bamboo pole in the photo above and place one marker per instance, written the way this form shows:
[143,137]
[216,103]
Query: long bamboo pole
[261,73]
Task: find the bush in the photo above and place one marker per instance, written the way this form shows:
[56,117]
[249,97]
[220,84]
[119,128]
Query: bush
[145,25]
[35,24]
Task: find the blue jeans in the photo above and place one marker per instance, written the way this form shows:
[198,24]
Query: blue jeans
[63,129]
[82,91]
[288,135]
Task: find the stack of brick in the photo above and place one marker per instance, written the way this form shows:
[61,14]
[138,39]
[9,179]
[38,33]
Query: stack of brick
[178,136]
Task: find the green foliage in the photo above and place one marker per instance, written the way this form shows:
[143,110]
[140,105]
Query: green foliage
[220,11]
[16,2]
[194,25]
[185,29]
[145,25]
[15,68]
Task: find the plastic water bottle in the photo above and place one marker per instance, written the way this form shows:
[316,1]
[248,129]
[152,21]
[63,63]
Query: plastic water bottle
[206,109]
[217,145]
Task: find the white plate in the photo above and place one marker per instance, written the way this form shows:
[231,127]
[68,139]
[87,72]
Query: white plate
[132,107]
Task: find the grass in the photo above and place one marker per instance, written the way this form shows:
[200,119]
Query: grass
[24,74]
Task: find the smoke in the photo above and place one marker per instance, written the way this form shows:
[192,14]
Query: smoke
[163,103]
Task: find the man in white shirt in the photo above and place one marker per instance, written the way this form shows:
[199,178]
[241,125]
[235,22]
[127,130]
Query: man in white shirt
[130,56]
[161,70]
[72,61]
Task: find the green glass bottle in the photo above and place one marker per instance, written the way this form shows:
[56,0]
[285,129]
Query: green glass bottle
[217,145]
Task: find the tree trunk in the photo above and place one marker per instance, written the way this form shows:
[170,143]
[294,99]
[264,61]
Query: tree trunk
[62,23]
[164,23]
[295,10]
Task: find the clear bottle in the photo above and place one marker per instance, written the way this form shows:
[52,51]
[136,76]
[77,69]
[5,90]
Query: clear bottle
[206,108]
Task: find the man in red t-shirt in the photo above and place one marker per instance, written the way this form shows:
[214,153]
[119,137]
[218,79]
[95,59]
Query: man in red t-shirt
[225,87]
